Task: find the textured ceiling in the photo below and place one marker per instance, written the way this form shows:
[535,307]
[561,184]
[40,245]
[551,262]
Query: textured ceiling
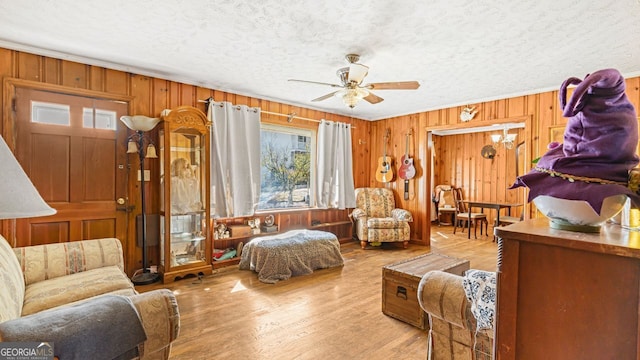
[461,52]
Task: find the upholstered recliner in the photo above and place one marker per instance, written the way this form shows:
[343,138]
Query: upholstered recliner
[378,220]
[77,296]
[459,328]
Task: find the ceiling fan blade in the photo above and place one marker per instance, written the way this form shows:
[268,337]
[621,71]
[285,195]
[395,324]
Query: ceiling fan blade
[325,97]
[316,82]
[357,72]
[397,85]
[373,98]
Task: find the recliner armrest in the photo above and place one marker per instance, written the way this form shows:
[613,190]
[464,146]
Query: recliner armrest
[358,213]
[442,295]
[158,310]
[402,215]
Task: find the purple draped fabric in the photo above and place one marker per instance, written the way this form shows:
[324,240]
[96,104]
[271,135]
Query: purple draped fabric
[600,142]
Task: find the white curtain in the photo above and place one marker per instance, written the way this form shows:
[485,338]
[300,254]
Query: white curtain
[335,187]
[235,159]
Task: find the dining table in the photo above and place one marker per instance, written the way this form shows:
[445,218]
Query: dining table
[487,205]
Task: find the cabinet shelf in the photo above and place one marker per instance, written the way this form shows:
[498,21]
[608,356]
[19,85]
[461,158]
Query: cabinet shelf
[216,264]
[249,236]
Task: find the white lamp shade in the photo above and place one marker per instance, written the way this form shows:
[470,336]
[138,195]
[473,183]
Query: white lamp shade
[496,138]
[357,72]
[18,197]
[139,122]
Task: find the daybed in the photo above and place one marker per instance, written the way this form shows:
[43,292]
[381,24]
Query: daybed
[78,290]
[293,253]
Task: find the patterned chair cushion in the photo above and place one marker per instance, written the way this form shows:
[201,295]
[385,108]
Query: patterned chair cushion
[384,223]
[49,261]
[11,282]
[376,202]
[65,290]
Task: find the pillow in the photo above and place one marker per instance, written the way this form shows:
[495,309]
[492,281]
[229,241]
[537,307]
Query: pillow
[480,288]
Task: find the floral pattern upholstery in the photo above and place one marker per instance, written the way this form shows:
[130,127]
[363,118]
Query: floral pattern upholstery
[378,220]
[37,278]
[480,289]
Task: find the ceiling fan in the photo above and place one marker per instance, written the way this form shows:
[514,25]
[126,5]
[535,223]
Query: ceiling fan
[352,90]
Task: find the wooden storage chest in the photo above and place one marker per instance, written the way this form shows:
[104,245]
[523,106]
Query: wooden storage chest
[400,285]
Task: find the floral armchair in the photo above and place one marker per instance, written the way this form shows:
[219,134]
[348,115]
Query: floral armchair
[377,219]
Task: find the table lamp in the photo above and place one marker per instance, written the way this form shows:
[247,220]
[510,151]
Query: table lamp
[18,197]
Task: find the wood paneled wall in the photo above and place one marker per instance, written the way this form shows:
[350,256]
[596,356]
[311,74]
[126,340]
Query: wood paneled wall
[151,96]
[456,159]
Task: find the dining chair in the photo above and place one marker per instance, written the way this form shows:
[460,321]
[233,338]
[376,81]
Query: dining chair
[462,216]
[445,203]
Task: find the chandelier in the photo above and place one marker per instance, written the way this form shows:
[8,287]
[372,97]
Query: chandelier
[505,138]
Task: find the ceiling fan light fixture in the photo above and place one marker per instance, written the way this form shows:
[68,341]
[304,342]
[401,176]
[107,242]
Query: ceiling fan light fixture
[357,72]
[350,97]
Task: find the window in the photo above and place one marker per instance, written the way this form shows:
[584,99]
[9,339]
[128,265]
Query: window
[50,113]
[287,159]
[60,114]
[103,119]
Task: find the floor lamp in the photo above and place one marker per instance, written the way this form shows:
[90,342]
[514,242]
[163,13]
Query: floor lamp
[18,197]
[136,144]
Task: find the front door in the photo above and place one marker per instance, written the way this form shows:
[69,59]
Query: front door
[67,145]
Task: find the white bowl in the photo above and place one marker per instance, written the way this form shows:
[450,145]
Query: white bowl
[578,215]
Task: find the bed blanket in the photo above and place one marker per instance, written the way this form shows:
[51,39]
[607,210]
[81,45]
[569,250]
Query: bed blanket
[293,253]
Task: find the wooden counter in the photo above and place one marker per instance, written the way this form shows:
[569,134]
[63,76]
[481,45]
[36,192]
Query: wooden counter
[567,295]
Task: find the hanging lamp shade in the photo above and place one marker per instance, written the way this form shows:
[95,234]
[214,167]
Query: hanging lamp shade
[151,152]
[18,197]
[132,147]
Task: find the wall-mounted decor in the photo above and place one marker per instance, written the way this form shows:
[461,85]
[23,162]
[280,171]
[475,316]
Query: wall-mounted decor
[488,152]
[468,113]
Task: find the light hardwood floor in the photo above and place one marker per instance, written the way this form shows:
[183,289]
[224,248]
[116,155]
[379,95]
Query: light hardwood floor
[331,314]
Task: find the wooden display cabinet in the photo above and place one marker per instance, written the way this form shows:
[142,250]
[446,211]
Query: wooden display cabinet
[185,247]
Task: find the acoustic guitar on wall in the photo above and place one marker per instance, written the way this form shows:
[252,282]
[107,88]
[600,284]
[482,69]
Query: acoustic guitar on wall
[384,172]
[407,170]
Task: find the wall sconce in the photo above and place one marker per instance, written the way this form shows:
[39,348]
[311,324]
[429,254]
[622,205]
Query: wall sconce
[135,144]
[506,139]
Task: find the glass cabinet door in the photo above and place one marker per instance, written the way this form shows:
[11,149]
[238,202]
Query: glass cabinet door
[184,200]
